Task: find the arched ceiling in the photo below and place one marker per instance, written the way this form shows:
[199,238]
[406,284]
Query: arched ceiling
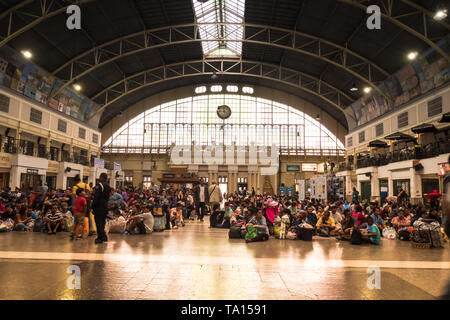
[312,49]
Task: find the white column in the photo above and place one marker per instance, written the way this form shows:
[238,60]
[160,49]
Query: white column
[390,184]
[416,186]
[375,187]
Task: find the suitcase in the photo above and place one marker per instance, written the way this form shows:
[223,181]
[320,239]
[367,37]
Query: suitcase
[306,234]
[235,232]
[159,223]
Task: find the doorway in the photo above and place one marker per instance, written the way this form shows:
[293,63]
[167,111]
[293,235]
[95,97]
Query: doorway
[51,182]
[223,184]
[402,184]
[242,185]
[384,189]
[29,179]
[366,190]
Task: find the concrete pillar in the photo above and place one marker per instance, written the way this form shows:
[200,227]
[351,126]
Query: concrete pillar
[390,185]
[47,145]
[416,186]
[258,183]
[71,149]
[250,181]
[375,187]
[348,187]
[138,178]
[210,177]
[231,182]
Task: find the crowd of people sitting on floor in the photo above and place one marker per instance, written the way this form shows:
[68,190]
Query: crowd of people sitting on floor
[248,216]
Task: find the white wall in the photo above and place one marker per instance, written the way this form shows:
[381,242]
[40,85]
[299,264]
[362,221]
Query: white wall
[417,114]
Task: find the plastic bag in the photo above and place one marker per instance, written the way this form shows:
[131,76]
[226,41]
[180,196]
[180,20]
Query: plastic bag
[252,233]
[390,233]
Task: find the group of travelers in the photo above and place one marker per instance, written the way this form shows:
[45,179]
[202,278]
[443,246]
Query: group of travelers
[80,210]
[85,210]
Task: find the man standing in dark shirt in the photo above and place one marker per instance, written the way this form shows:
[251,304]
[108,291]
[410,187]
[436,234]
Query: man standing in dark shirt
[100,207]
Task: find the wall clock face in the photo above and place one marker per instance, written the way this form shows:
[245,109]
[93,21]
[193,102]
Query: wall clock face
[224,112]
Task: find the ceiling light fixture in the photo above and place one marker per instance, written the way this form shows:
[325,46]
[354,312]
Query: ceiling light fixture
[27,54]
[440,15]
[77,86]
[412,55]
[354,88]
[214,75]
[367,89]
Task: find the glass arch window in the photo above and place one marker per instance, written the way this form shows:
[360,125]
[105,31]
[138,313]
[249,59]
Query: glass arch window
[201,89]
[253,120]
[248,90]
[216,88]
[232,88]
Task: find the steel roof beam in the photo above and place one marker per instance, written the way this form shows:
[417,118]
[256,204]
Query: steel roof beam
[387,15]
[47,10]
[303,81]
[318,48]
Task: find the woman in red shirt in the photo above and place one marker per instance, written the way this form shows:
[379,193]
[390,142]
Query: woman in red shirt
[358,215]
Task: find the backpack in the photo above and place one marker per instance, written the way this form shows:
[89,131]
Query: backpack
[404,235]
[356,237]
[235,232]
[39,225]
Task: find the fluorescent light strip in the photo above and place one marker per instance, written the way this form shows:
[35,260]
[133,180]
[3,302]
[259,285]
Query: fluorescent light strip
[220,11]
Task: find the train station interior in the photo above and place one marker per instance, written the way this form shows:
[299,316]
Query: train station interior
[224,149]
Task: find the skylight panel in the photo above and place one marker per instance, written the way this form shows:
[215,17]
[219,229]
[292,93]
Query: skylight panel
[220,25]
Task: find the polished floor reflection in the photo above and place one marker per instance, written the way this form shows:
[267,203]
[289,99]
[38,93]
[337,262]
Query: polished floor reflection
[201,263]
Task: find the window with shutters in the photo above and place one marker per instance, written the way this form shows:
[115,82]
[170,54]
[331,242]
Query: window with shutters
[82,133]
[95,138]
[349,141]
[36,116]
[4,103]
[362,136]
[379,129]
[434,107]
[402,120]
[62,125]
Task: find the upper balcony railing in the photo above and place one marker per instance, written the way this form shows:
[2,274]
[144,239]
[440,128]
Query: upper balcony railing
[409,153]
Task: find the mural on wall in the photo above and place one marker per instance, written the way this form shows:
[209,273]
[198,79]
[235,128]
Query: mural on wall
[23,76]
[429,71]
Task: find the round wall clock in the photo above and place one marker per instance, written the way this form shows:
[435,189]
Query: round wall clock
[224,112]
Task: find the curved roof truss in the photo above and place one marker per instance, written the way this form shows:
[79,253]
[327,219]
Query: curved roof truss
[296,41]
[386,13]
[305,82]
[46,10]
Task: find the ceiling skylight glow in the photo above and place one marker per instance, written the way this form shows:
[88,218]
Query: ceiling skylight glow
[220,25]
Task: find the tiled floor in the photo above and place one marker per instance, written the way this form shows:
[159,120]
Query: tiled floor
[201,263]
